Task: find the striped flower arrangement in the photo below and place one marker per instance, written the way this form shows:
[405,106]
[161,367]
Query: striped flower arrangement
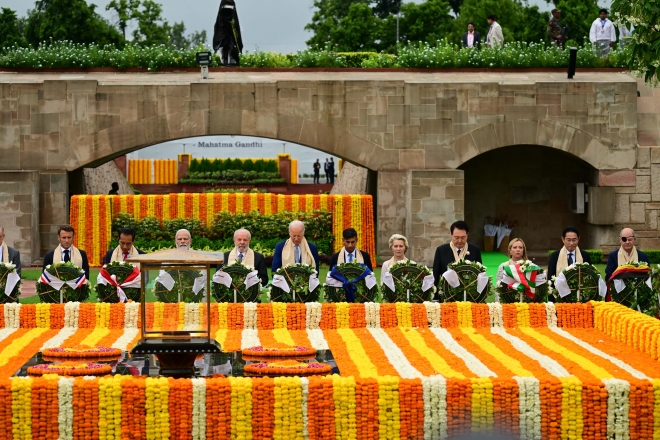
[324,408]
[529,371]
[91,215]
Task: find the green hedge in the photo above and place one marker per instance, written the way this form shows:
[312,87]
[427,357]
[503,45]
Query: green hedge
[64,54]
[232,177]
[210,166]
[266,230]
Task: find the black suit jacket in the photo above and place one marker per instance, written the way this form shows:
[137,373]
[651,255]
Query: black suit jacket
[365,255]
[444,256]
[48,260]
[14,258]
[477,39]
[552,263]
[259,265]
[108,256]
[613,262]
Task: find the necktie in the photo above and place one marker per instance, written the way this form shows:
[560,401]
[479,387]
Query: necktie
[240,258]
[66,256]
[458,251]
[296,250]
[570,258]
[350,258]
[125,255]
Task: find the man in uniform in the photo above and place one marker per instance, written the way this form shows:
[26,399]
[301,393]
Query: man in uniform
[555,29]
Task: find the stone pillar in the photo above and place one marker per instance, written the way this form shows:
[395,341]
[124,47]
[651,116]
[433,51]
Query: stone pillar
[437,202]
[392,209]
[19,212]
[53,207]
[420,205]
[285,167]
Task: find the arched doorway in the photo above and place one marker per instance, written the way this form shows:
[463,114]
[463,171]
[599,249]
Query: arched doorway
[528,183]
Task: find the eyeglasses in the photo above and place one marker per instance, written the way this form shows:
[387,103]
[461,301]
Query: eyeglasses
[624,239]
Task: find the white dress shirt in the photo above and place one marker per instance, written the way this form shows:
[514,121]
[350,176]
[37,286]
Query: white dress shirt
[349,257]
[602,31]
[470,39]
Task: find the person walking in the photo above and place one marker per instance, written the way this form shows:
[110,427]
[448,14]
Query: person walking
[602,34]
[555,29]
[494,38]
[317,171]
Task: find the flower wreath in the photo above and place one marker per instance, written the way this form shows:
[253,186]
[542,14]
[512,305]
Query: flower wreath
[465,280]
[287,368]
[125,277]
[189,286]
[63,282]
[351,272]
[523,281]
[235,274]
[295,283]
[412,282]
[578,283]
[10,283]
[632,285]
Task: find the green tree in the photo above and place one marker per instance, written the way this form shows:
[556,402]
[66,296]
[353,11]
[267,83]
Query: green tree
[72,20]
[152,28]
[327,17]
[383,8]
[644,49]
[125,10]
[178,38]
[10,31]
[429,21]
[357,30]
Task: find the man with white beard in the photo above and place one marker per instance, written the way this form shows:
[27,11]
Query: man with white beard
[183,239]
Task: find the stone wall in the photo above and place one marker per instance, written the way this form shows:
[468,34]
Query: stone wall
[99,180]
[352,179]
[53,208]
[420,204]
[19,215]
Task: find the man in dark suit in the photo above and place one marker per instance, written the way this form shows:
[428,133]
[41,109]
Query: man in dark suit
[243,254]
[296,249]
[66,251]
[350,253]
[9,254]
[125,250]
[627,252]
[458,249]
[471,38]
[569,254]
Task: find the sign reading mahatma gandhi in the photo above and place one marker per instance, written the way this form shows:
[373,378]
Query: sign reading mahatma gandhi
[229,145]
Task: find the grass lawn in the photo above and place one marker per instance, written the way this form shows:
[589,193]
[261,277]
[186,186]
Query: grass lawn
[34,274]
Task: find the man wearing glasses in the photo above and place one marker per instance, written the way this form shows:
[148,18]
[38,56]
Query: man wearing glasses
[569,254]
[627,252]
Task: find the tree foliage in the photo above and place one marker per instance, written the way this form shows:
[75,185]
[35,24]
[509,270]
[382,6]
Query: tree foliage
[72,20]
[11,33]
[645,41]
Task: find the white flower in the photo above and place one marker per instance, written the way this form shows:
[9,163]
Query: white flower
[48,267]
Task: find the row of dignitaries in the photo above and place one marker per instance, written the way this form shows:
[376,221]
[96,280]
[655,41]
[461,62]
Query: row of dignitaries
[9,254]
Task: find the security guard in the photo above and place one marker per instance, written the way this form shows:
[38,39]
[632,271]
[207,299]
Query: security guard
[555,29]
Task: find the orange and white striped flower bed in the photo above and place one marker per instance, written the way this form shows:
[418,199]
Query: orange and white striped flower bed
[530,371]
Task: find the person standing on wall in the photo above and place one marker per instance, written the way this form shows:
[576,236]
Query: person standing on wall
[603,34]
[494,38]
[471,38]
[317,171]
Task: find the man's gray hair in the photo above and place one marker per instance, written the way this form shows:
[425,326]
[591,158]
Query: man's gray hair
[2,229]
[297,224]
[243,230]
[183,230]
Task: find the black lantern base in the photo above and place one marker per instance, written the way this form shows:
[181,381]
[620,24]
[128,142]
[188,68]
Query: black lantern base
[175,356]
